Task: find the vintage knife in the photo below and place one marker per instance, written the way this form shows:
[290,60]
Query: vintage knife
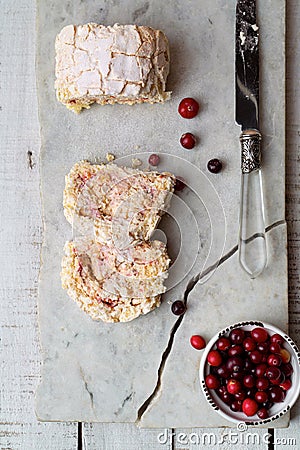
[252,241]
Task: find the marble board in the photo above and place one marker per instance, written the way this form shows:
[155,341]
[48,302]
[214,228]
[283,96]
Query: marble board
[145,371]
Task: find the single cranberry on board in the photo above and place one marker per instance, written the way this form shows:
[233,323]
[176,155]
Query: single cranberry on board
[198,342]
[214,165]
[179,184]
[178,308]
[188,108]
[188,141]
[154,159]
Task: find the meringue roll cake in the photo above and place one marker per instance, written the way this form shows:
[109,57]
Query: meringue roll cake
[114,64]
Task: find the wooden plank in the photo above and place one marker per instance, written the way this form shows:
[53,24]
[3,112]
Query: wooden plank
[117,436]
[290,438]
[20,235]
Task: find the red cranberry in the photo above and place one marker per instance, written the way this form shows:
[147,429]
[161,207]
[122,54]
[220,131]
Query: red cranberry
[235,350]
[240,395]
[261,397]
[279,380]
[178,308]
[259,334]
[236,406]
[249,366]
[214,358]
[249,381]
[260,370]
[250,393]
[273,373]
[224,395]
[188,141]
[262,384]
[263,413]
[268,404]
[263,347]
[188,108]
[179,184]
[274,360]
[237,336]
[234,364]
[287,369]
[223,372]
[221,390]
[286,385]
[154,160]
[214,165]
[277,338]
[276,394]
[255,357]
[223,344]
[285,355]
[274,347]
[238,375]
[250,407]
[249,344]
[212,382]
[233,386]
[198,342]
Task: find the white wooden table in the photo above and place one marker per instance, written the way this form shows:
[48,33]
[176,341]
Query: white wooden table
[21,236]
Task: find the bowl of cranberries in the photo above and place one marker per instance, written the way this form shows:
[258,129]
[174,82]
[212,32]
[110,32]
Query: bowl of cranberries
[250,372]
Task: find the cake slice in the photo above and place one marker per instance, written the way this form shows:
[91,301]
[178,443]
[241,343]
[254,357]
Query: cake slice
[117,205]
[111,285]
[114,64]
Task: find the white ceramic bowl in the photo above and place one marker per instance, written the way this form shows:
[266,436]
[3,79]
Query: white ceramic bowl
[278,409]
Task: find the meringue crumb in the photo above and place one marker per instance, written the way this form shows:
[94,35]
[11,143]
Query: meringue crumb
[136,163]
[110,157]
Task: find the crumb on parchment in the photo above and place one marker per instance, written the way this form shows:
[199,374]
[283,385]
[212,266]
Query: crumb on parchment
[136,163]
[110,157]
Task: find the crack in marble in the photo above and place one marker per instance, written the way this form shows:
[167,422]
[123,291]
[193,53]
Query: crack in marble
[30,159]
[129,397]
[87,389]
[190,286]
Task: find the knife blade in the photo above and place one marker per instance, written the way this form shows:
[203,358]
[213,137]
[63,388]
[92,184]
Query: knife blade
[252,240]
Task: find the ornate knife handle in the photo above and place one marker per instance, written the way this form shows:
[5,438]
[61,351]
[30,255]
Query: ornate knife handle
[251,155]
[252,242]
